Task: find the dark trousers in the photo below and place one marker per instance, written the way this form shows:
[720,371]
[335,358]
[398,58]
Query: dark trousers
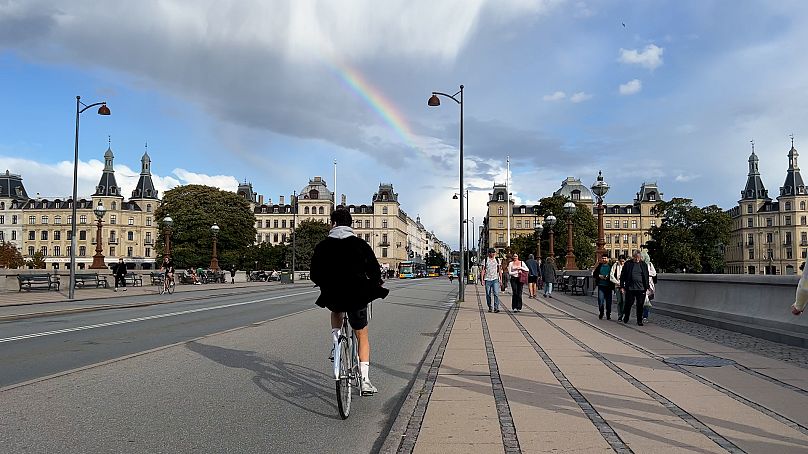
[516,300]
[605,297]
[633,296]
[121,280]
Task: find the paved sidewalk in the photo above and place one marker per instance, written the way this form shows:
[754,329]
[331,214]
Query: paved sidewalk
[555,378]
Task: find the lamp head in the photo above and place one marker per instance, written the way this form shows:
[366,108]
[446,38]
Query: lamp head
[168,222]
[454,197]
[103,110]
[99,211]
[600,188]
[214,229]
[569,208]
[434,101]
[539,229]
[550,220]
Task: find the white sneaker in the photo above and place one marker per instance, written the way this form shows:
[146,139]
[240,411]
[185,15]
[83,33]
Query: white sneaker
[115,289]
[367,387]
[124,289]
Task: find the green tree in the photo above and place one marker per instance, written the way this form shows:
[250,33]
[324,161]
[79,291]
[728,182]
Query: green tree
[37,261]
[10,257]
[262,256]
[435,258]
[689,237]
[307,234]
[194,209]
[525,245]
[584,231]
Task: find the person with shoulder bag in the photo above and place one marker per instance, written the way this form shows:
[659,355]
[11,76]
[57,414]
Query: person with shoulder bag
[518,272]
[491,275]
[601,276]
[614,276]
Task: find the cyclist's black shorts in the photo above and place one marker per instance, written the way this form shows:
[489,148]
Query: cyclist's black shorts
[358,318]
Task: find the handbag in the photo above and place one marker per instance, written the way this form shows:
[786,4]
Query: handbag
[523,276]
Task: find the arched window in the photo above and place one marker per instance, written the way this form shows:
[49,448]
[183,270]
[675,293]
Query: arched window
[802,206]
[321,211]
[306,210]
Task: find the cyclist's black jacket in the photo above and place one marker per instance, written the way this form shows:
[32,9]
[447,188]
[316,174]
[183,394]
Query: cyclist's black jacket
[347,272]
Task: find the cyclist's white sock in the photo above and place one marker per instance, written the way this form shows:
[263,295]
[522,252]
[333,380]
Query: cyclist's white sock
[335,334]
[364,368]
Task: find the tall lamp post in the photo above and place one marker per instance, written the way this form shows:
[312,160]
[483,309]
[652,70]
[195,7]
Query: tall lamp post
[551,220]
[167,224]
[539,229]
[214,259]
[80,108]
[473,226]
[569,208]
[98,258]
[434,101]
[294,232]
[600,188]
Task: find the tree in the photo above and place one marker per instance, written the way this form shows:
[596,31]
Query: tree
[435,258]
[525,245]
[584,231]
[37,261]
[194,209]
[689,237]
[262,256]
[10,256]
[306,235]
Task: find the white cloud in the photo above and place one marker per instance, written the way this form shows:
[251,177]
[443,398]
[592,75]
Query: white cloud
[682,178]
[582,10]
[557,96]
[631,87]
[580,97]
[650,57]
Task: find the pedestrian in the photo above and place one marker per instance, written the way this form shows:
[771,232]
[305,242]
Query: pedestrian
[601,275]
[120,274]
[532,276]
[548,275]
[650,293]
[505,263]
[614,276]
[518,272]
[232,274]
[492,274]
[634,281]
[801,298]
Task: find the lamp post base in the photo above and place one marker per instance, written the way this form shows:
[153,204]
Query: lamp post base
[570,265]
[98,262]
[214,264]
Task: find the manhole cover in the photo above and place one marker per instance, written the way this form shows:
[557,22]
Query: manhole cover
[699,361]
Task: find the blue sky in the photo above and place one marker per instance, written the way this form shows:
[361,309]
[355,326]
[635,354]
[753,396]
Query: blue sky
[227,91]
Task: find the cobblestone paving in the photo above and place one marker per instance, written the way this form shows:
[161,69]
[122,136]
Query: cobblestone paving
[790,354]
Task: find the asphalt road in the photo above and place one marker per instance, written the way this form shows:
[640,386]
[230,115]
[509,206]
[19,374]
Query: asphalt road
[262,385]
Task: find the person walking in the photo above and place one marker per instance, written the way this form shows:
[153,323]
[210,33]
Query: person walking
[515,270]
[120,274]
[649,294]
[634,282]
[548,275]
[532,276]
[801,297]
[232,274]
[601,275]
[492,274]
[614,276]
[505,264]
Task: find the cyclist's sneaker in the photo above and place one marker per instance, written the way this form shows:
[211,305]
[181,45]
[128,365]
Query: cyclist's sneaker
[368,388]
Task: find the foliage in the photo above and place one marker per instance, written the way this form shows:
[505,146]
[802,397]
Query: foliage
[435,258]
[10,257]
[689,238]
[37,261]
[525,245]
[307,234]
[584,231]
[194,209]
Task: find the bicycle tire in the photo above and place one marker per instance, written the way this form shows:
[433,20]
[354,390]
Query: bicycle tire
[343,383]
[161,287]
[171,287]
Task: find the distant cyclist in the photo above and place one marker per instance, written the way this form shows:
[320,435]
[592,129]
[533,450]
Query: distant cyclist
[167,267]
[349,276]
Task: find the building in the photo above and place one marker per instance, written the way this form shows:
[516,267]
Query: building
[12,199]
[765,232]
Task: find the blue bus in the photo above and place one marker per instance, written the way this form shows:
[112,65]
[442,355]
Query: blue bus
[454,269]
[409,270]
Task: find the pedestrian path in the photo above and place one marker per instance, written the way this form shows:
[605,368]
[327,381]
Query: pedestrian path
[555,378]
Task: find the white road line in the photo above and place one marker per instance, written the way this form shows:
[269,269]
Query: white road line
[151,317]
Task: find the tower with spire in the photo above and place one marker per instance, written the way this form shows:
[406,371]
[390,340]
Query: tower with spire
[754,190]
[145,186]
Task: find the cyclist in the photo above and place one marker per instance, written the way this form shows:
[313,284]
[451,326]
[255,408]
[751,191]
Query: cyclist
[348,274]
[167,267]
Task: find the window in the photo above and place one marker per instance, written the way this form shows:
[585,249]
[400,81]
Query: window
[609,239]
[608,224]
[112,251]
[749,208]
[2,219]
[70,219]
[351,210]
[306,210]
[130,236]
[770,254]
[129,251]
[83,219]
[57,251]
[367,237]
[519,224]
[83,251]
[625,238]
[788,220]
[804,238]
[320,211]
[83,235]
[634,239]
[536,223]
[575,195]
[274,237]
[384,238]
[14,219]
[57,235]
[148,238]
[500,198]
[67,250]
[44,251]
[13,235]
[500,238]
[283,223]
[633,224]
[367,223]
[275,210]
[789,254]
[131,221]
[803,220]
[653,222]
[384,252]
[69,235]
[384,210]
[769,222]
[113,219]
[750,222]
[500,211]
[358,223]
[788,238]
[501,223]
[258,238]
[625,224]
[805,253]
[114,205]
[31,235]
[751,254]
[522,211]
[788,206]
[148,208]
[628,210]
[384,223]
[32,220]
[769,237]
[275,223]
[148,252]
[30,251]
[750,239]
[283,237]
[44,220]
[617,239]
[57,220]
[802,206]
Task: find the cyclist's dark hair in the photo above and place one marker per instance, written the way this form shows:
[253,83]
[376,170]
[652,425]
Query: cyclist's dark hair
[342,217]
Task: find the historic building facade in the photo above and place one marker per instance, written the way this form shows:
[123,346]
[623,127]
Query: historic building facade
[769,236]
[12,199]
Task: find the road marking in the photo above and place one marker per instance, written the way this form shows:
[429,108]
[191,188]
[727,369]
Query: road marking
[150,317]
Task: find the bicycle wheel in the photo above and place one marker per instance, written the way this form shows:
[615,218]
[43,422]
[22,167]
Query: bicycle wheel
[171,287]
[343,383]
[161,287]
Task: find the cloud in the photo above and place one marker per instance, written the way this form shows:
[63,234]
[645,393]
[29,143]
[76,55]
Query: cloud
[682,178]
[557,96]
[582,10]
[650,57]
[631,87]
[580,97]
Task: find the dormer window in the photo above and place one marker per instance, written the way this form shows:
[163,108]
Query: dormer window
[575,195]
[500,197]
[652,196]
[523,210]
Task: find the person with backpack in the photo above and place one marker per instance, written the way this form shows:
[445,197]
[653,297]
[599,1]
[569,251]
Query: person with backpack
[518,272]
[492,274]
[548,275]
[533,275]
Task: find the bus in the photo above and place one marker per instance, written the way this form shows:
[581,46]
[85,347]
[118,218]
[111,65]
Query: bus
[433,271]
[454,269]
[410,270]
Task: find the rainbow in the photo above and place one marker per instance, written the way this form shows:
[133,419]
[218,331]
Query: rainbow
[376,100]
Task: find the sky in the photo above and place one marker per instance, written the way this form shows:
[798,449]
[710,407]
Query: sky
[274,91]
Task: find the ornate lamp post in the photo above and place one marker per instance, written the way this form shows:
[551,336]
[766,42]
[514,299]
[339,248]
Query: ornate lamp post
[434,101]
[80,108]
[569,208]
[600,188]
[551,220]
[539,230]
[98,258]
[214,260]
[167,224]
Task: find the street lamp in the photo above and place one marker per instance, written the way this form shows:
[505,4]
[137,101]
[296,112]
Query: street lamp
[294,232]
[551,220]
[434,101]
[214,260]
[80,108]
[98,258]
[600,188]
[569,208]
[539,229]
[168,223]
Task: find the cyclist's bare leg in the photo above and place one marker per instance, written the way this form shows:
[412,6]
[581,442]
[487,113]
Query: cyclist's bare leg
[364,344]
[336,319]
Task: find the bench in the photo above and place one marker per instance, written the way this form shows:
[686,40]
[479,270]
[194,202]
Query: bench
[48,281]
[304,276]
[83,279]
[578,284]
[133,279]
[156,278]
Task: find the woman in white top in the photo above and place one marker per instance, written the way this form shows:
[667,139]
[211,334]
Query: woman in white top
[514,268]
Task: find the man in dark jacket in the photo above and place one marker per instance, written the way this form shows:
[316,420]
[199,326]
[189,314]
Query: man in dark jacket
[634,282]
[348,274]
[120,274]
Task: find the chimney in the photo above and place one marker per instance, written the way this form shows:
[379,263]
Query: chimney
[282,199]
[343,200]
[260,199]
